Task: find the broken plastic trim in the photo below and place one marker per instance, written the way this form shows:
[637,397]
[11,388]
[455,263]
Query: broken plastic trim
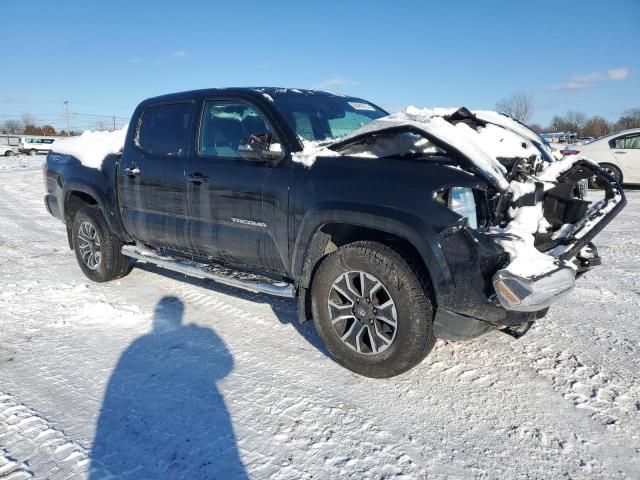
[524,295]
[599,215]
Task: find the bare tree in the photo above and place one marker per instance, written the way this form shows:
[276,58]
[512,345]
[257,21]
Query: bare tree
[48,130]
[12,126]
[576,121]
[519,106]
[629,119]
[596,127]
[536,127]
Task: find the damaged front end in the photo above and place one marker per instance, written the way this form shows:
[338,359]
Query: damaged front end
[568,224]
[521,242]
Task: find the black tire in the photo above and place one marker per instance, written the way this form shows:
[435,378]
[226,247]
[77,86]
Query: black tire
[613,170]
[8,153]
[112,264]
[412,340]
[32,152]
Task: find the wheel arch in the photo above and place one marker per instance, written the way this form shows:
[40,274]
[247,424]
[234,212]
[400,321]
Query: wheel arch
[327,230]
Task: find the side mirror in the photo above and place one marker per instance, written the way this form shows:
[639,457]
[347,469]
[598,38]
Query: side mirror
[250,152]
[261,149]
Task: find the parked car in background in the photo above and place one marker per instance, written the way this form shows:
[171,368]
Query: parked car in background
[33,145]
[618,154]
[9,144]
[7,151]
[559,137]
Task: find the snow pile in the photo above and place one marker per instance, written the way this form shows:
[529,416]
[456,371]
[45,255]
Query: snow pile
[553,170]
[501,138]
[312,150]
[90,148]
[518,236]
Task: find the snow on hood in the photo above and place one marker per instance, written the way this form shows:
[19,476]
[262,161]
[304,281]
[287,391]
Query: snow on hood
[501,137]
[90,148]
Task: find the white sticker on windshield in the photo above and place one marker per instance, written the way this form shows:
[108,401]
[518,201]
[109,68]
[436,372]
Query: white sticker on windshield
[361,106]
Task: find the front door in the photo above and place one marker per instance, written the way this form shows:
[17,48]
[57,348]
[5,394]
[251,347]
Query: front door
[151,178]
[235,203]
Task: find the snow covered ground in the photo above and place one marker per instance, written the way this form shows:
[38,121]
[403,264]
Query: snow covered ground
[157,376]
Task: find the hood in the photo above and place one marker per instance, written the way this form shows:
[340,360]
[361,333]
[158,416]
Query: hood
[486,142]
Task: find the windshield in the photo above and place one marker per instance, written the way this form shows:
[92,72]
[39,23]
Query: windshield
[318,117]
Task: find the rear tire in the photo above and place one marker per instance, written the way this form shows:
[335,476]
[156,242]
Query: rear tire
[32,152]
[612,170]
[357,328]
[97,250]
[8,153]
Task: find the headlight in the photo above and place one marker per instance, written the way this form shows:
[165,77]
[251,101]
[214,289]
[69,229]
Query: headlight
[460,200]
[516,293]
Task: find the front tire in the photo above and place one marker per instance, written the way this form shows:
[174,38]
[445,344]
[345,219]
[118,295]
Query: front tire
[8,153]
[32,152]
[97,250]
[371,310]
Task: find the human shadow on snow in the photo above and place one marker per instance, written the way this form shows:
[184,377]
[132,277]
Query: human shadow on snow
[285,309]
[162,415]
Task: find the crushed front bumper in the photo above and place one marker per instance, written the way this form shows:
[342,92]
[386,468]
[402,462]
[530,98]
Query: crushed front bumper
[573,251]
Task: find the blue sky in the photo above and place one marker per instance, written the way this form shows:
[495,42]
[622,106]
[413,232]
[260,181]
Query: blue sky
[105,57]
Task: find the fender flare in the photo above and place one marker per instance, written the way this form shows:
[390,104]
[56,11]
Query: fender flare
[102,202]
[386,220]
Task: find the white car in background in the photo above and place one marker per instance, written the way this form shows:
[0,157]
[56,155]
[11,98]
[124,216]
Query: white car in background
[35,144]
[8,150]
[619,154]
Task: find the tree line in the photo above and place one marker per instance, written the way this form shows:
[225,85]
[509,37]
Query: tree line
[27,126]
[520,106]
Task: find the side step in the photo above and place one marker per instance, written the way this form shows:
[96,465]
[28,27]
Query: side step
[253,283]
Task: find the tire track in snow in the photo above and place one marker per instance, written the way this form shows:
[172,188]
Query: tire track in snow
[43,450]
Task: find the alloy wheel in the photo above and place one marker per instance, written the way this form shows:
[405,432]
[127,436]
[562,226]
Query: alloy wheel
[89,245]
[363,313]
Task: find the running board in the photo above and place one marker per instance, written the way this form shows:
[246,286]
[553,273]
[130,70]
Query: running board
[253,283]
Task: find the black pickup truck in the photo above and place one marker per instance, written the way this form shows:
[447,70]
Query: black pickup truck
[392,230]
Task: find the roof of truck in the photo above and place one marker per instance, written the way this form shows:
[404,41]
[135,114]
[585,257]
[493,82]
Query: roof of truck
[266,92]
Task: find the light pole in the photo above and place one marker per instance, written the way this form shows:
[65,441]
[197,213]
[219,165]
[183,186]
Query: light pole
[66,114]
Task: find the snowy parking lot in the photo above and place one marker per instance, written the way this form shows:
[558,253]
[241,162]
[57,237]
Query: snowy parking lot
[158,376]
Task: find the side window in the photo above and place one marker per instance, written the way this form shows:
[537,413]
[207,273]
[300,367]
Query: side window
[225,125]
[632,141]
[164,129]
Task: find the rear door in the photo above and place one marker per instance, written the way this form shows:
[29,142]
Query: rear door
[627,151]
[238,207]
[151,176]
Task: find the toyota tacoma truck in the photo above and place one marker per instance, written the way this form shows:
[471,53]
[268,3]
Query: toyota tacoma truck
[392,230]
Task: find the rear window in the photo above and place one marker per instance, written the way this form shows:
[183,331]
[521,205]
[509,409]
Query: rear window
[164,129]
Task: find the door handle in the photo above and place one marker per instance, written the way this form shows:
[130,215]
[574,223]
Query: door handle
[619,152]
[197,178]
[132,172]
